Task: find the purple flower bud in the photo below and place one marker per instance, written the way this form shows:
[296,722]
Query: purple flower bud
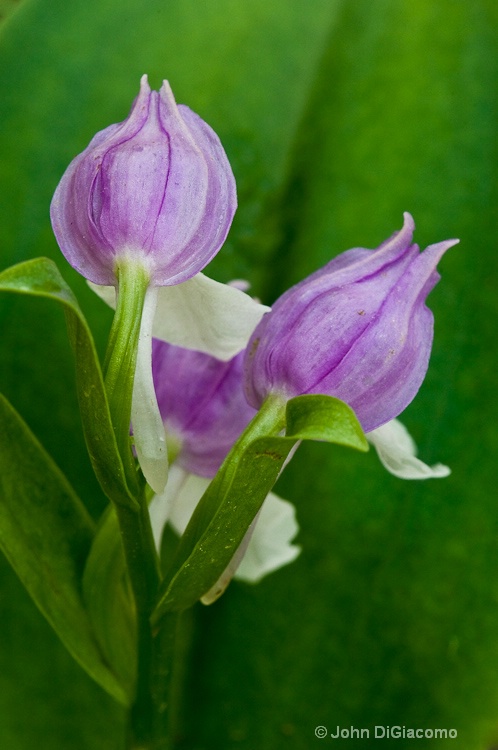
[357,329]
[202,403]
[157,188]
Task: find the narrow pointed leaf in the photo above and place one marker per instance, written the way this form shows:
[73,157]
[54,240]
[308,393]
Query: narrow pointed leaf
[40,277]
[46,533]
[236,494]
[206,551]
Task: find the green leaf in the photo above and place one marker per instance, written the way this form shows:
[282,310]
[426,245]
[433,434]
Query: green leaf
[41,277]
[324,418]
[109,602]
[236,494]
[205,554]
[7,8]
[46,533]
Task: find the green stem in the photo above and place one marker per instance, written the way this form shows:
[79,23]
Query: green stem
[142,565]
[164,656]
[269,420]
[121,357]
[150,715]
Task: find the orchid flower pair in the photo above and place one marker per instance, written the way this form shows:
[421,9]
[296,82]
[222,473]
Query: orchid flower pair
[153,198]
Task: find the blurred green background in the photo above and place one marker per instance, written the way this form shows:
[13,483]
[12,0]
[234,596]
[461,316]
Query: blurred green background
[337,115]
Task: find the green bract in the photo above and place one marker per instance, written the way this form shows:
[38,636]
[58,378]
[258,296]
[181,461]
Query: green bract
[236,494]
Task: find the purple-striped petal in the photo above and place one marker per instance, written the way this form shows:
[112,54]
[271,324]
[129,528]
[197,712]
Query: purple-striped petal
[157,187]
[357,329]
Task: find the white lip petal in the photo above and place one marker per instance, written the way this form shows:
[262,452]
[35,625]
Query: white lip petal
[397,451]
[148,427]
[201,314]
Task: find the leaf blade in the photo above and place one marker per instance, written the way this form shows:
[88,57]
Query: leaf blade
[41,277]
[318,417]
[45,533]
[241,497]
[238,491]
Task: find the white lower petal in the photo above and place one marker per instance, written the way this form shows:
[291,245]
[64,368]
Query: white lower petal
[201,314]
[205,315]
[397,452]
[185,501]
[270,545]
[148,427]
[161,505]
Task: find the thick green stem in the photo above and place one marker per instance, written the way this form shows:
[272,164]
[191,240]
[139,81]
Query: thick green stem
[136,533]
[270,420]
[151,720]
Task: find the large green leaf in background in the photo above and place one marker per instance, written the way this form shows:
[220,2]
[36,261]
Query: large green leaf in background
[336,116]
[7,7]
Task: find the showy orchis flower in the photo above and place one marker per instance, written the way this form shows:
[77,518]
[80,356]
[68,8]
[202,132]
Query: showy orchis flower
[139,213]
[156,188]
[204,410]
[357,329]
